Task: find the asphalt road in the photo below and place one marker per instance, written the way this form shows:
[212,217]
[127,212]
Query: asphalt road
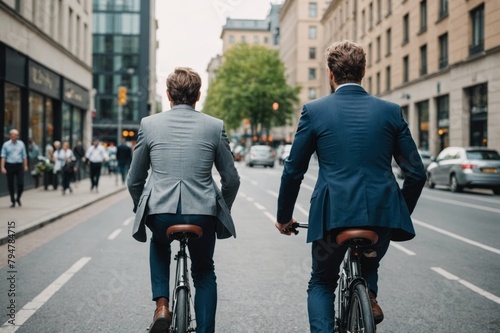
[85,273]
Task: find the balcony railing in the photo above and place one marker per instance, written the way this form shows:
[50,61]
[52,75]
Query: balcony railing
[476,48]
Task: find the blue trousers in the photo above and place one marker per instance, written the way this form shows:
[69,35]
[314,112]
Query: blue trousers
[327,257]
[201,252]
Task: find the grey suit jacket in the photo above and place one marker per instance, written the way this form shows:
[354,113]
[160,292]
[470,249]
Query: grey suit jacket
[173,160]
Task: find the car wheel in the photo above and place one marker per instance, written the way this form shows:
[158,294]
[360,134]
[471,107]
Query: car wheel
[496,190]
[430,182]
[272,165]
[454,187]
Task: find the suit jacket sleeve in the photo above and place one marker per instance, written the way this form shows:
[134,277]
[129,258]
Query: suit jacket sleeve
[410,162]
[224,162]
[295,167]
[138,172]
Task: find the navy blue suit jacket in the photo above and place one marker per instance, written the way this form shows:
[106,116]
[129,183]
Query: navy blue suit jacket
[355,135]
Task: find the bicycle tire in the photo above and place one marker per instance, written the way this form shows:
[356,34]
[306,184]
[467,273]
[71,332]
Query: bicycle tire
[360,316]
[182,311]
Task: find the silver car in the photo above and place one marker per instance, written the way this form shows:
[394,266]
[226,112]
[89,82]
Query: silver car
[460,167]
[260,155]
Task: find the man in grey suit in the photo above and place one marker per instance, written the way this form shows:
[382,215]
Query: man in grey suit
[177,149]
[355,135]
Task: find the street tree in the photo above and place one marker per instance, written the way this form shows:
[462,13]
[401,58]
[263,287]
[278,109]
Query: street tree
[250,86]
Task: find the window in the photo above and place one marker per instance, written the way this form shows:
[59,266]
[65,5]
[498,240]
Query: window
[443,51]
[388,37]
[443,9]
[313,32]
[406,29]
[379,11]
[243,39]
[423,60]
[312,93]
[477,21]
[389,7]
[478,106]
[388,78]
[443,120]
[378,49]
[12,116]
[312,73]
[256,39]
[423,15]
[312,53]
[377,83]
[231,39]
[423,125]
[370,19]
[370,85]
[406,68]
[369,55]
[363,22]
[313,9]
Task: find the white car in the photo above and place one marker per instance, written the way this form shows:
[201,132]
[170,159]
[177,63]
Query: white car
[284,154]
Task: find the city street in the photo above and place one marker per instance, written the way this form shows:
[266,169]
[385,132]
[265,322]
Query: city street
[85,273]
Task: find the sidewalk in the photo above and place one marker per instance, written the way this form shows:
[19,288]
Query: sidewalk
[40,207]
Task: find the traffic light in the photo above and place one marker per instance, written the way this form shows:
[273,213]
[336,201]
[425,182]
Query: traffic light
[122,95]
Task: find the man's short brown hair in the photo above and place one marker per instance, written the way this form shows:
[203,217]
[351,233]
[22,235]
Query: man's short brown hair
[347,61]
[184,85]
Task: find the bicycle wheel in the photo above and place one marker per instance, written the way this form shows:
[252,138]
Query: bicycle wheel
[182,311]
[360,317]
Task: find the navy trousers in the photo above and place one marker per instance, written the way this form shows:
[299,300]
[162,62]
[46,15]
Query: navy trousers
[201,252]
[327,257]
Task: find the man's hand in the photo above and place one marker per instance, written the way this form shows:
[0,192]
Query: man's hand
[4,171]
[283,227]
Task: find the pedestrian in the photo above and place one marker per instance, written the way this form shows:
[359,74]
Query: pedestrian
[112,162]
[96,155]
[179,149]
[124,158]
[58,159]
[68,167]
[14,163]
[79,152]
[355,135]
[33,154]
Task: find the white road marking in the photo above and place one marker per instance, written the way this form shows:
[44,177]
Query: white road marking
[250,199]
[128,221]
[30,308]
[274,194]
[458,237]
[114,234]
[462,204]
[259,206]
[302,210]
[403,249]
[311,177]
[469,285]
[270,216]
[254,182]
[304,185]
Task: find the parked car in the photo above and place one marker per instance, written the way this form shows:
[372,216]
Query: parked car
[284,154]
[460,167]
[426,161]
[260,155]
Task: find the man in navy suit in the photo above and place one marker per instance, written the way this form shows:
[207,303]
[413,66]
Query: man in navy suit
[355,135]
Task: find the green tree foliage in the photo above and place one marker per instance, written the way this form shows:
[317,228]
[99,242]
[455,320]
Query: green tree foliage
[248,83]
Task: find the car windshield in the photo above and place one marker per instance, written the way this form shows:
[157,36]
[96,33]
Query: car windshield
[483,155]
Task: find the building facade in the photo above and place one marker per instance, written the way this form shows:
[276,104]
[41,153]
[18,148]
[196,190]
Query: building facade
[301,49]
[45,73]
[124,54]
[439,60]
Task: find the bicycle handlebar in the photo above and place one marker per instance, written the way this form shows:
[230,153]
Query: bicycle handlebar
[296,225]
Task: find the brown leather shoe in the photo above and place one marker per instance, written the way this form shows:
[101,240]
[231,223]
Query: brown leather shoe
[162,318]
[378,315]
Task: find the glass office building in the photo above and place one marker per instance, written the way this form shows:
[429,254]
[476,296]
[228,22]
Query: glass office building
[123,55]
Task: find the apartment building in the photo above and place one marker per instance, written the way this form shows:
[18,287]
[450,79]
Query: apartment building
[302,48]
[124,55]
[439,60]
[45,73]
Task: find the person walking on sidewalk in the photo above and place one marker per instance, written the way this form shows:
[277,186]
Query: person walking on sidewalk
[124,158]
[96,155]
[355,136]
[14,163]
[79,153]
[179,148]
[68,168]
[58,160]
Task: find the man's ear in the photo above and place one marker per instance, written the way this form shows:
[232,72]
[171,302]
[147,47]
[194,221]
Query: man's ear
[169,97]
[199,95]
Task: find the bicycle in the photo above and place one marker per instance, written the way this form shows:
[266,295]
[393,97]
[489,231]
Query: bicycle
[354,311]
[182,309]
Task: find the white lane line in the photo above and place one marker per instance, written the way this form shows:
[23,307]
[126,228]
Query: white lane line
[274,194]
[304,185]
[270,216]
[253,182]
[462,204]
[114,234]
[30,308]
[469,285]
[303,210]
[403,249]
[242,195]
[458,237]
[259,206]
[464,195]
[311,177]
[128,221]
[250,199]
